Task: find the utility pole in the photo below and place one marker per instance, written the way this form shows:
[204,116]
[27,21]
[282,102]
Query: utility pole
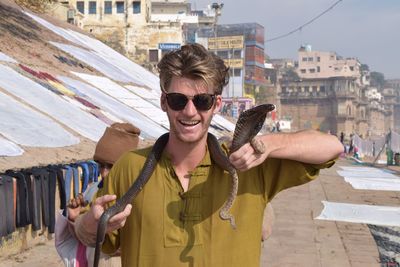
[126,24]
[217,12]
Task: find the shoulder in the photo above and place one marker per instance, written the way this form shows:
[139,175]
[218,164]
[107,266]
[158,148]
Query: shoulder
[134,157]
[131,161]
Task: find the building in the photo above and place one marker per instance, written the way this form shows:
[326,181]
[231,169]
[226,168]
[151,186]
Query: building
[242,48]
[319,64]
[394,85]
[143,30]
[333,94]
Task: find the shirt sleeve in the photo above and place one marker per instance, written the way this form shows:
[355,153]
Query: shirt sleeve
[280,174]
[111,240]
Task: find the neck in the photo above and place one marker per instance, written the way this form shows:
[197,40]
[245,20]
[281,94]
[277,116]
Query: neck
[186,156]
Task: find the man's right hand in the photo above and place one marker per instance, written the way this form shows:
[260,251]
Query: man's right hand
[99,206]
[86,224]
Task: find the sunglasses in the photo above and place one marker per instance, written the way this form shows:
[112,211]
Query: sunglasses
[178,101]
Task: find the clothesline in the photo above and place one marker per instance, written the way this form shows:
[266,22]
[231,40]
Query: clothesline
[371,147]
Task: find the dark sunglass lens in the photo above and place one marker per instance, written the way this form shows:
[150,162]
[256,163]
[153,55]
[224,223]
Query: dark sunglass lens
[203,101]
[177,101]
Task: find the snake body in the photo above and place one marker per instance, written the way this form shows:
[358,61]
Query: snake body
[247,127]
[137,186]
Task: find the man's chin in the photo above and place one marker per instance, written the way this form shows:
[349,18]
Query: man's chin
[191,138]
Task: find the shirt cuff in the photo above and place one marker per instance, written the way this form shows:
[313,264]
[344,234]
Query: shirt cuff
[86,237]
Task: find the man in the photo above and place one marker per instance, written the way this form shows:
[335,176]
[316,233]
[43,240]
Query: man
[175,219]
[116,140]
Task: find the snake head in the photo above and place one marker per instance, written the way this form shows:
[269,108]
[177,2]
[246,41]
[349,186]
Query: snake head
[249,124]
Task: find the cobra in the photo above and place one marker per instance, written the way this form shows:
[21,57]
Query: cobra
[247,127]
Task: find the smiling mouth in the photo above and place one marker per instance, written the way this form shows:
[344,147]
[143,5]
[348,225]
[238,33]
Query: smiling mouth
[189,123]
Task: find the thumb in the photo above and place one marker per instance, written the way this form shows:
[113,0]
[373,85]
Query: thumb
[103,200]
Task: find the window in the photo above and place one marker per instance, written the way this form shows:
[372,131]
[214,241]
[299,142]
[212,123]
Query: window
[319,59]
[304,59]
[312,70]
[92,7]
[306,88]
[237,54]
[223,54]
[107,7]
[303,71]
[351,68]
[318,69]
[120,7]
[315,89]
[80,5]
[310,59]
[237,72]
[322,88]
[136,7]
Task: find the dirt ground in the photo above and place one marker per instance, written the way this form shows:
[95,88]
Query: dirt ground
[41,254]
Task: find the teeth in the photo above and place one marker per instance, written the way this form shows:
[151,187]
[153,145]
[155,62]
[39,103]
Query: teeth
[189,122]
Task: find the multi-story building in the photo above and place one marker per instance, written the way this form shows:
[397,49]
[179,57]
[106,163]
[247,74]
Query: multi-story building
[141,29]
[333,94]
[319,64]
[242,48]
[393,89]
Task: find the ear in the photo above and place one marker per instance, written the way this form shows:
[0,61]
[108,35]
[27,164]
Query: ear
[163,102]
[218,104]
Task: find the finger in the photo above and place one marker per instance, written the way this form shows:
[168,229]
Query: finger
[249,160]
[258,146]
[238,154]
[242,156]
[72,204]
[118,220]
[122,215]
[105,199]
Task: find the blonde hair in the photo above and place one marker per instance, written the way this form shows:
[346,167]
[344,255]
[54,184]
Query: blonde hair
[195,62]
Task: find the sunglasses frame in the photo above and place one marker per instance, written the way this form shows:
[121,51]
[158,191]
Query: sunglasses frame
[193,98]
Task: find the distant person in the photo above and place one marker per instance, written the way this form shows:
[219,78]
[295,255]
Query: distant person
[174,220]
[342,138]
[351,143]
[278,126]
[116,140]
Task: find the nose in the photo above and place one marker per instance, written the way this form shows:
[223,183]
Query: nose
[190,108]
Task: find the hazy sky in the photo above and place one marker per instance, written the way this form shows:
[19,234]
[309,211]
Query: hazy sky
[366,29]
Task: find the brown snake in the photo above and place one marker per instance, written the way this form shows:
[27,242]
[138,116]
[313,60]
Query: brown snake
[248,125]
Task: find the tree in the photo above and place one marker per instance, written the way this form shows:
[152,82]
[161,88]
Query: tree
[364,67]
[290,75]
[377,79]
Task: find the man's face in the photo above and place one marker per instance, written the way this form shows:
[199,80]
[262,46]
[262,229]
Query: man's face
[189,124]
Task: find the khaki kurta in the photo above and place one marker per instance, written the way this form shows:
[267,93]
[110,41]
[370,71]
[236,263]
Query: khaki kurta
[169,227]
